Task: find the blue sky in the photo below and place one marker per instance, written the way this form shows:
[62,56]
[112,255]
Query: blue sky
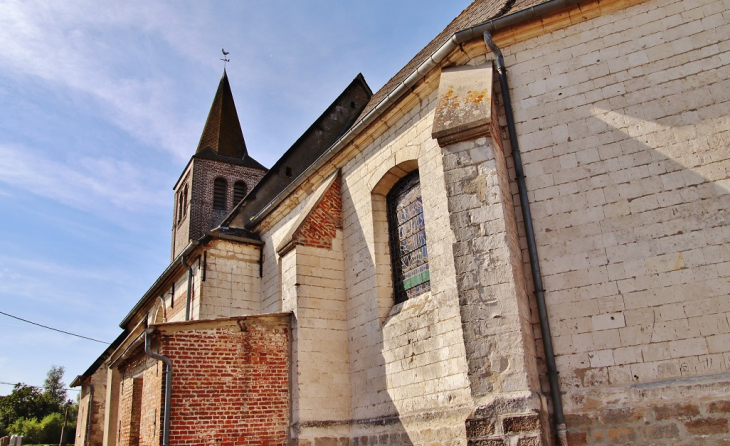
[101,105]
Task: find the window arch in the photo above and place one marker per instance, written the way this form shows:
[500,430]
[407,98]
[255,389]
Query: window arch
[239,191]
[220,193]
[407,237]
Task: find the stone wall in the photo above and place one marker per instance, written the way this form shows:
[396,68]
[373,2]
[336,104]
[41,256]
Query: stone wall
[95,425]
[406,359]
[623,124]
[232,285]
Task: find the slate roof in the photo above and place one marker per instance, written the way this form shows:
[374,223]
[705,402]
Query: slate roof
[222,137]
[478,12]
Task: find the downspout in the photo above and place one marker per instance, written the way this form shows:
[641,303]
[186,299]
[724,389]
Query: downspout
[190,275]
[88,416]
[404,87]
[168,384]
[547,339]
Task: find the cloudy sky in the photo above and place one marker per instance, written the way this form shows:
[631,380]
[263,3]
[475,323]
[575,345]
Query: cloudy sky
[101,106]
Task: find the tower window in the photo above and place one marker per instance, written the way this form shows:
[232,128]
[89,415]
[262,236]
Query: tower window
[220,191]
[185,201]
[239,191]
[408,251]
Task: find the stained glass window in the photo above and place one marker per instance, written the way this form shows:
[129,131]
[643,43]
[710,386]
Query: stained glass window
[408,251]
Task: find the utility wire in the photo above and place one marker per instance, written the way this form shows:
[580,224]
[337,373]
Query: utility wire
[54,329]
[37,387]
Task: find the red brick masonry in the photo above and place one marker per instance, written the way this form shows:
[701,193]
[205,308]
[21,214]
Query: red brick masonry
[231,380]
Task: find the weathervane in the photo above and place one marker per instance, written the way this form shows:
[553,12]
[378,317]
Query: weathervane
[225,59]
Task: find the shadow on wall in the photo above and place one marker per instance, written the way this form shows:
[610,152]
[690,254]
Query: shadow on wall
[631,207]
[375,416]
[407,381]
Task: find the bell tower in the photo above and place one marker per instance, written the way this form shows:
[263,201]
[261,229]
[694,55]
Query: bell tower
[218,175]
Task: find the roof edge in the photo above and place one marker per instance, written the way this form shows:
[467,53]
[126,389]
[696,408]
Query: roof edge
[163,278]
[358,80]
[401,89]
[100,360]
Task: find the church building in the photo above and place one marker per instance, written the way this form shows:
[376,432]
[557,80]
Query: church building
[522,238]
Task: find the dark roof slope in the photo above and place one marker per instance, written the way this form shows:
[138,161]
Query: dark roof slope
[100,360]
[261,199]
[332,124]
[478,12]
[222,137]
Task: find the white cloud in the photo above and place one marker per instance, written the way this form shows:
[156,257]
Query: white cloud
[19,278]
[94,185]
[85,46]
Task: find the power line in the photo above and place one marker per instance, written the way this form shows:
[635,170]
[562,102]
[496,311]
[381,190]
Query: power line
[37,387]
[54,329]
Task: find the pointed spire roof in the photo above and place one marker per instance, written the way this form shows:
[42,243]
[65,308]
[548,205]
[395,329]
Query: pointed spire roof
[222,132]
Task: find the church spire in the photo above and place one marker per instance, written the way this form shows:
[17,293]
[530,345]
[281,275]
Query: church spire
[222,133]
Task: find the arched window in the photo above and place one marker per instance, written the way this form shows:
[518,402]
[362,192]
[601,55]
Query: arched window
[408,252]
[239,191]
[185,201]
[220,192]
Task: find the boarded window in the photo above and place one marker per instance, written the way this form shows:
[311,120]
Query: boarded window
[136,416]
[220,191]
[408,251]
[239,191]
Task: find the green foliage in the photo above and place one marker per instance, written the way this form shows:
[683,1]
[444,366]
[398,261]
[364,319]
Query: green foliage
[46,431]
[21,411]
[24,402]
[51,426]
[29,428]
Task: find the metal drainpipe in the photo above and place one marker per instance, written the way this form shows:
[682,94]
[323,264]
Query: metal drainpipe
[168,384]
[190,275]
[547,339]
[88,416]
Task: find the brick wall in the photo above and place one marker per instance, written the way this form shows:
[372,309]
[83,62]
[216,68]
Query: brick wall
[230,382]
[201,216]
[321,226]
[140,401]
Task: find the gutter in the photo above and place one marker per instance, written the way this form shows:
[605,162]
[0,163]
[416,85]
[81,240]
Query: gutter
[190,275]
[168,384]
[547,340]
[405,86]
[175,264]
[162,279]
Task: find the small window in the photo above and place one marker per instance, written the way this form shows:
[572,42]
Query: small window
[185,201]
[408,251]
[179,207]
[220,191]
[239,191]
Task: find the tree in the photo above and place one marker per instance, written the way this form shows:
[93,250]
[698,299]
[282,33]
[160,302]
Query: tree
[24,402]
[28,408]
[55,388]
